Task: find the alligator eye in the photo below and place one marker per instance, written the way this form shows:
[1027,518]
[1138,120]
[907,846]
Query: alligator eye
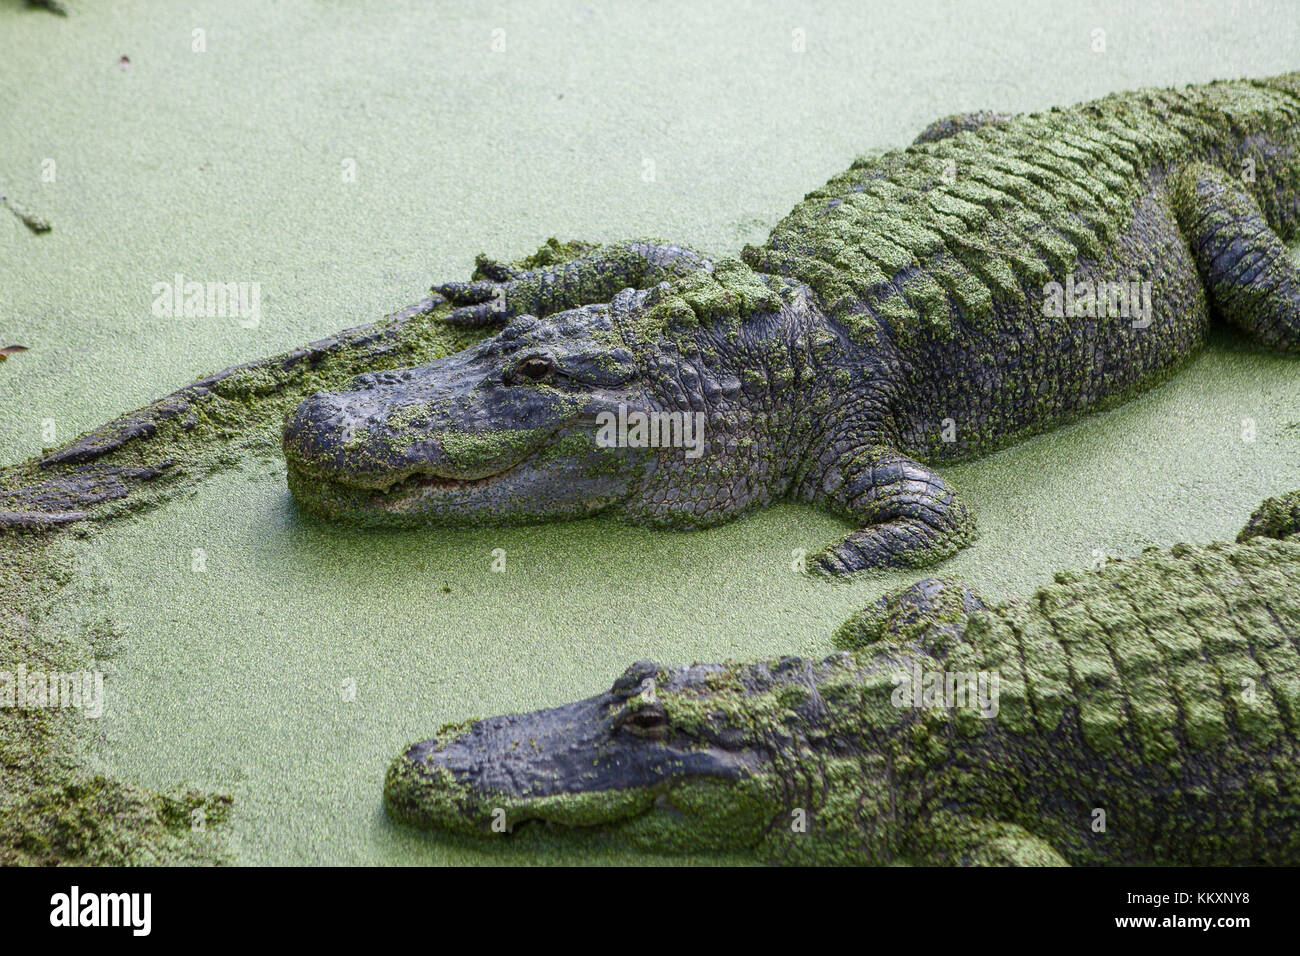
[646,722]
[534,369]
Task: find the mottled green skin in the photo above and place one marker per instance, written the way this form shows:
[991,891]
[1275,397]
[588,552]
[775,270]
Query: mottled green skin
[1275,518]
[1162,690]
[943,250]
[898,315]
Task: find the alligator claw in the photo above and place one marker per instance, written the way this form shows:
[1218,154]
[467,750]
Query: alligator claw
[828,564]
[474,316]
[467,293]
[480,302]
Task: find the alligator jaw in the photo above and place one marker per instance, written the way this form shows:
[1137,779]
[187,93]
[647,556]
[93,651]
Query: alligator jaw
[399,487]
[332,498]
[434,482]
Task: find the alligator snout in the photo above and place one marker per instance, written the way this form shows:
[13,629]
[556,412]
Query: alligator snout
[391,426]
[403,436]
[327,437]
[504,769]
[365,441]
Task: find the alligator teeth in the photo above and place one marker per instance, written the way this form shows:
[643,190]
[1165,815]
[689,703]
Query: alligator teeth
[440,482]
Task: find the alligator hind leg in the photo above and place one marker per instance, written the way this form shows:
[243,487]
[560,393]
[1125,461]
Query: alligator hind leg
[930,611]
[564,276]
[910,516]
[953,839]
[1247,270]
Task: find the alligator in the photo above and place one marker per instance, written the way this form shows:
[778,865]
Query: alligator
[999,277]
[1146,713]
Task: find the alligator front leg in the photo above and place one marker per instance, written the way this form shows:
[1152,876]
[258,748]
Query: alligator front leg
[910,516]
[1247,270]
[568,276]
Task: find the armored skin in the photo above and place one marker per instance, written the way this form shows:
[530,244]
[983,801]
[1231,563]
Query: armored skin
[1148,713]
[999,277]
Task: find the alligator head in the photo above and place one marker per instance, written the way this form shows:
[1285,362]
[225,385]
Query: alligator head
[635,406]
[660,759]
[503,431]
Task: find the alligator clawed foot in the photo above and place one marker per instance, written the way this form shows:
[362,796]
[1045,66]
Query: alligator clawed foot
[479,302]
[486,298]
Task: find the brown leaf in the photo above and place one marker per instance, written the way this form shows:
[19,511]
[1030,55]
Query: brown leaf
[9,350]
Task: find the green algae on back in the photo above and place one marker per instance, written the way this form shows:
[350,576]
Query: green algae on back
[1275,518]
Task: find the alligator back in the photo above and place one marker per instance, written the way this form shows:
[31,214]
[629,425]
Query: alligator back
[1163,692]
[942,254]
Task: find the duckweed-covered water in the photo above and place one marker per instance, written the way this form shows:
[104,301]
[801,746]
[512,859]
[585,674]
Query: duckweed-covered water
[288,661]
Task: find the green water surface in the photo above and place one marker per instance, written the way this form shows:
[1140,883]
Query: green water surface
[298,661]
